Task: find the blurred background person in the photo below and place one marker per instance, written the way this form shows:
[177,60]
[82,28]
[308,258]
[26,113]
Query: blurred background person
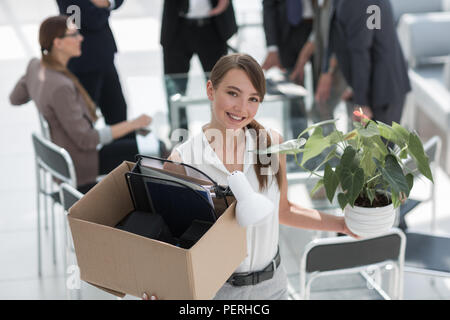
[369,57]
[333,83]
[95,67]
[287,27]
[191,27]
[69,110]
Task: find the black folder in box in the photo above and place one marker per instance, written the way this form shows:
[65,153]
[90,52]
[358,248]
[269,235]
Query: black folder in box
[185,206]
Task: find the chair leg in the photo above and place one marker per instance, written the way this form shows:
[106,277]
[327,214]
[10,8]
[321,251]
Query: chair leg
[38,203]
[44,187]
[66,246]
[52,204]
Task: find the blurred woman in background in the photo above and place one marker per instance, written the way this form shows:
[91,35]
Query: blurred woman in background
[68,108]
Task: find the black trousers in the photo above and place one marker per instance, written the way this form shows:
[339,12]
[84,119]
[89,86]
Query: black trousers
[105,89]
[289,50]
[191,38]
[111,156]
[390,112]
[290,47]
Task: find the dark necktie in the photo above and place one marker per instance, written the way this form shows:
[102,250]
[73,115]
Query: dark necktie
[294,10]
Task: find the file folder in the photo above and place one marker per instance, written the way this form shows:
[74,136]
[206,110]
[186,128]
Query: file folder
[184,204]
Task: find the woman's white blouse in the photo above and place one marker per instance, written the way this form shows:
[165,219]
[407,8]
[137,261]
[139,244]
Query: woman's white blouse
[262,239]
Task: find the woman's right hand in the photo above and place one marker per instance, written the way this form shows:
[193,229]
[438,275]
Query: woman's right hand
[142,121]
[146,297]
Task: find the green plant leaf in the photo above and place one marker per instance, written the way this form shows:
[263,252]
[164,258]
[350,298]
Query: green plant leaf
[393,175]
[348,158]
[395,200]
[334,137]
[367,164]
[318,185]
[342,199]
[331,182]
[401,132]
[351,135]
[388,133]
[330,156]
[415,149]
[293,146]
[369,131]
[314,145]
[370,194]
[410,181]
[352,183]
[318,124]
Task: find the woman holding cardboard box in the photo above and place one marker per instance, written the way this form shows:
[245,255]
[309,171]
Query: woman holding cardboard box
[236,88]
[69,109]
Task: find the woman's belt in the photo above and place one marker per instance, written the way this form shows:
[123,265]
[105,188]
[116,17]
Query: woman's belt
[246,279]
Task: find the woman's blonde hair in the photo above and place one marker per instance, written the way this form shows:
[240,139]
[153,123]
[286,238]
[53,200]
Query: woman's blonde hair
[50,29]
[255,73]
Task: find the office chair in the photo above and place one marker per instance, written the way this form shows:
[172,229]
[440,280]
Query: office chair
[426,253]
[69,196]
[57,163]
[346,255]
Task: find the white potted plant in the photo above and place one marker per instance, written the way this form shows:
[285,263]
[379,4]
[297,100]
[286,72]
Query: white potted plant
[370,179]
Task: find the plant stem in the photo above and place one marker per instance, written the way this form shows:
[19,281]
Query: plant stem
[373,178]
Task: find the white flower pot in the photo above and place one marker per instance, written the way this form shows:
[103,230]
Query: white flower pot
[369,222]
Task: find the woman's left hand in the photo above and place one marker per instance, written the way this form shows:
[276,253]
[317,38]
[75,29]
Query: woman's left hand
[347,231]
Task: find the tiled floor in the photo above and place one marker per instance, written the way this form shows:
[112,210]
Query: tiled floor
[136,26]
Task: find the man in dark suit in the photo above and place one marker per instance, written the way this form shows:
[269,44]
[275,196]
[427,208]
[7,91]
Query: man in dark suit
[95,67]
[370,57]
[287,27]
[194,26]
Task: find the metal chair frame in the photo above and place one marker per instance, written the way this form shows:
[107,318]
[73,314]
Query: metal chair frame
[41,187]
[307,278]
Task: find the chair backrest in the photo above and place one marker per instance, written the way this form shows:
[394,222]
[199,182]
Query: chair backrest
[337,254]
[421,37]
[345,252]
[400,7]
[54,159]
[45,128]
[69,195]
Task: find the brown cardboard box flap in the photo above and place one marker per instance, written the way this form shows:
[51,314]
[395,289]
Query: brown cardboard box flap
[108,202]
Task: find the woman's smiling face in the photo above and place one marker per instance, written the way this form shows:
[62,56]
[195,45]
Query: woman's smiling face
[235,101]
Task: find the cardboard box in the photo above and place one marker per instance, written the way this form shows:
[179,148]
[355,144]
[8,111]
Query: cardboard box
[121,263]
